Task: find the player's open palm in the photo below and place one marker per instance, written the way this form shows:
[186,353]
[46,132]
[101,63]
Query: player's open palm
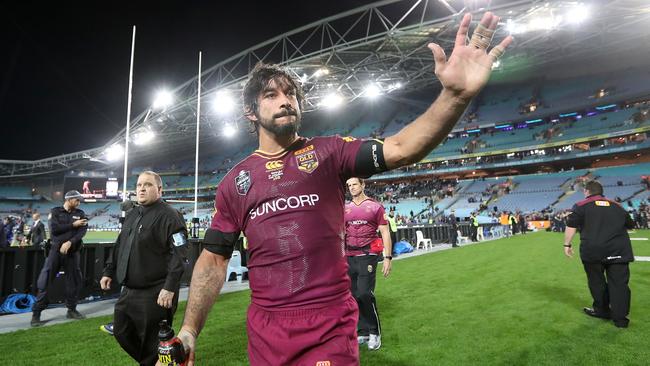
[468,68]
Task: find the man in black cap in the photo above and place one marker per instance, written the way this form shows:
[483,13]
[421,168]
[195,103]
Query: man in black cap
[148,260]
[68,225]
[605,250]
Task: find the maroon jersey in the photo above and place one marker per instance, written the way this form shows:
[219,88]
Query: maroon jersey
[361,223]
[290,207]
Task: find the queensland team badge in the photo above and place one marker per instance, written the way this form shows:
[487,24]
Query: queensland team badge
[306,159]
[243,182]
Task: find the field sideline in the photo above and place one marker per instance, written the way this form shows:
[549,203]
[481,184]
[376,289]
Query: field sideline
[514,301]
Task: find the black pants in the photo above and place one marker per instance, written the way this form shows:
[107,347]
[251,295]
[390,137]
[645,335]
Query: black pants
[453,237]
[474,232]
[362,271]
[611,293]
[136,322]
[54,262]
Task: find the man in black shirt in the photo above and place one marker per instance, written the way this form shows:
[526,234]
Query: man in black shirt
[453,229]
[605,250]
[148,259]
[68,225]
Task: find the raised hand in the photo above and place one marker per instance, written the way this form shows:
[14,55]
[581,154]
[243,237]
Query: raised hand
[468,68]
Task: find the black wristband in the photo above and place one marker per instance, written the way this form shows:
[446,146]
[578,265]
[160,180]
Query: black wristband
[567,246]
[388,257]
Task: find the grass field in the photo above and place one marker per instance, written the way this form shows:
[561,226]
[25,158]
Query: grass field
[515,301]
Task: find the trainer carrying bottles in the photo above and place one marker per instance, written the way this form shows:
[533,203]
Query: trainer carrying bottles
[363,217]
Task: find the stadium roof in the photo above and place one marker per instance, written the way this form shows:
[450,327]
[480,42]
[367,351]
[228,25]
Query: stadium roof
[383,44]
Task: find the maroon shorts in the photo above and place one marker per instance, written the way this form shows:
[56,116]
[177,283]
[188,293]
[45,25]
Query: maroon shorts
[313,337]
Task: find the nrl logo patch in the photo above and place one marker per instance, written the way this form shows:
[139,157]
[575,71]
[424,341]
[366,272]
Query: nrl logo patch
[243,182]
[307,161]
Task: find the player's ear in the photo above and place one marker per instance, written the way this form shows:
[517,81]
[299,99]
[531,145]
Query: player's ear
[250,115]
[249,112]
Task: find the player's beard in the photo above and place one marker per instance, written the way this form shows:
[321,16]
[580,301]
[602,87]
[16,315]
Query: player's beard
[286,129]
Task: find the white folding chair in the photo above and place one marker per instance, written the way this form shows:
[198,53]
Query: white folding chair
[461,238]
[234,266]
[479,234]
[421,240]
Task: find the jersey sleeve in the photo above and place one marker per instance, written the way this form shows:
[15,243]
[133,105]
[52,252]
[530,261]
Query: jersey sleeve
[576,217]
[382,218]
[224,219]
[224,230]
[346,149]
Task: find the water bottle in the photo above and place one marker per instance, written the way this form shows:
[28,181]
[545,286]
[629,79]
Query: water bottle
[171,351]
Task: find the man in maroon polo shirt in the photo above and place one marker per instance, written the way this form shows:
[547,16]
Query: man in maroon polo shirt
[363,217]
[287,197]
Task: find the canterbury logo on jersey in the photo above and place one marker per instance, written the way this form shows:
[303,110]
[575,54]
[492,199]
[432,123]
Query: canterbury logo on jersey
[282,204]
[358,222]
[275,164]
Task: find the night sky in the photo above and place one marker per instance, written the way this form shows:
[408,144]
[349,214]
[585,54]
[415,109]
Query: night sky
[64,69]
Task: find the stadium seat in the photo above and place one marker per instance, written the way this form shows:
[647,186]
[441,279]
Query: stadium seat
[479,234]
[420,239]
[234,266]
[461,238]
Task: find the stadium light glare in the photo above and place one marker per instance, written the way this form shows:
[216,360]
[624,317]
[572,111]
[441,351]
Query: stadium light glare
[223,102]
[496,64]
[515,28]
[143,137]
[578,14]
[229,130]
[114,153]
[332,100]
[372,91]
[320,72]
[163,99]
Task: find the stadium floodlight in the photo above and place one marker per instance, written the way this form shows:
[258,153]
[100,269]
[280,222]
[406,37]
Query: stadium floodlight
[332,100]
[229,130]
[143,137]
[163,99]
[223,102]
[372,91]
[578,14]
[515,28]
[320,72]
[114,153]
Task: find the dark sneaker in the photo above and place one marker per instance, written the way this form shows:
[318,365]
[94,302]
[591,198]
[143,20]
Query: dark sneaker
[74,314]
[108,328]
[596,314]
[36,321]
[622,323]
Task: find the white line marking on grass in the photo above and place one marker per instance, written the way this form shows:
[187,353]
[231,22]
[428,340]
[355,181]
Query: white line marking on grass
[642,259]
[638,238]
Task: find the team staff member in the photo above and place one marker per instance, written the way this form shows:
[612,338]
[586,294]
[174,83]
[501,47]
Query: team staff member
[148,259]
[68,225]
[37,233]
[288,198]
[453,229]
[363,217]
[605,250]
